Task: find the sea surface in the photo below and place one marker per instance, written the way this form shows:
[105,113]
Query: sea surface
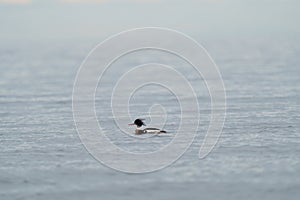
[257,155]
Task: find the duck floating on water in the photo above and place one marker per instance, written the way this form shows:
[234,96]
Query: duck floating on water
[139,130]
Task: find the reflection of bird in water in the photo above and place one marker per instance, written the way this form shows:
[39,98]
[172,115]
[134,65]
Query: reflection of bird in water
[139,130]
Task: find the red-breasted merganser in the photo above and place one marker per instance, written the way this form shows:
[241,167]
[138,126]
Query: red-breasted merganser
[139,123]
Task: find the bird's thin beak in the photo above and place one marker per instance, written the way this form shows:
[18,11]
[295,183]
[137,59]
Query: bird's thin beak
[130,124]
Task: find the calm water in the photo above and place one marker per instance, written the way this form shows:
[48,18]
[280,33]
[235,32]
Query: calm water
[41,156]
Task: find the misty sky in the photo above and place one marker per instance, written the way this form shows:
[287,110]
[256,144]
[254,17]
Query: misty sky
[43,19]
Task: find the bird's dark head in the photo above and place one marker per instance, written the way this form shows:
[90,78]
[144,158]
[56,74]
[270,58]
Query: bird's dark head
[138,123]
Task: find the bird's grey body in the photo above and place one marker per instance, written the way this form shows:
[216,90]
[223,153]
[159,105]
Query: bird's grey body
[148,130]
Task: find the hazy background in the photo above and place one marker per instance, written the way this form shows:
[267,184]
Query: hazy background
[68,19]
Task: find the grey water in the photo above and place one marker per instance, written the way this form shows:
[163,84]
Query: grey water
[257,155]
